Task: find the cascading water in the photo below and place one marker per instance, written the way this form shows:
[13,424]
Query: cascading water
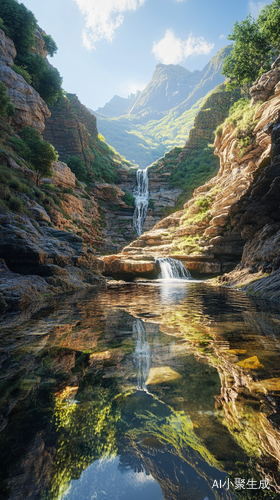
[142,354]
[173,269]
[141,194]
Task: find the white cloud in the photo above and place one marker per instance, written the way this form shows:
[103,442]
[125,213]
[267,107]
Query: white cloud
[256,7]
[222,37]
[103,18]
[172,50]
[130,87]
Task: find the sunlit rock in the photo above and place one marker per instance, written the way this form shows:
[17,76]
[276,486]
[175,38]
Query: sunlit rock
[250,363]
[161,374]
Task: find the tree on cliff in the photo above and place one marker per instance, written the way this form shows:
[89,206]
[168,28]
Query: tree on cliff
[257,44]
[269,23]
[20,24]
[250,56]
[40,154]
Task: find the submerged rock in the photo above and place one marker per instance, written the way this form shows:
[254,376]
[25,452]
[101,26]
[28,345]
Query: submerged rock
[162,374]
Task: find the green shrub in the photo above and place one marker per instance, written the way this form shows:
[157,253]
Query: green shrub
[21,71]
[20,23]
[5,175]
[103,170]
[20,146]
[204,202]
[129,199]
[45,79]
[78,167]
[5,193]
[16,204]
[151,204]
[50,45]
[41,154]
[6,107]
[69,190]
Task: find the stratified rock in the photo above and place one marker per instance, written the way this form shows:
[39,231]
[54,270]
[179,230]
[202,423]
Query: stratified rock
[7,50]
[71,129]
[243,207]
[118,266]
[48,260]
[62,175]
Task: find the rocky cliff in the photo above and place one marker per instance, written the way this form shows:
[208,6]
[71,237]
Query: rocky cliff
[30,108]
[234,218]
[163,113]
[84,218]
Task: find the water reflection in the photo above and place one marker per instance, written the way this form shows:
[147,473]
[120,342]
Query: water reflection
[74,426]
[142,354]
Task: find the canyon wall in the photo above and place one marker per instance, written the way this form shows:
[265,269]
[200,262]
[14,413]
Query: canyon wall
[234,218]
[30,108]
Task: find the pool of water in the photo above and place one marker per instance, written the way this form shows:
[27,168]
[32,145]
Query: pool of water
[147,390]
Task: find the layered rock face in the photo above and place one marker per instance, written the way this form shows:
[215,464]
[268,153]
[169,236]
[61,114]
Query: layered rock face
[162,196]
[71,128]
[117,216]
[30,107]
[49,261]
[239,205]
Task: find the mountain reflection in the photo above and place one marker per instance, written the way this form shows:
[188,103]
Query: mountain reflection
[75,424]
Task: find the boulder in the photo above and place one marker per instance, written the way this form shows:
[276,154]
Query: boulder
[62,175]
[115,265]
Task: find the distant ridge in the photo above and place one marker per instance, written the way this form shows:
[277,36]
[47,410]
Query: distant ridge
[147,124]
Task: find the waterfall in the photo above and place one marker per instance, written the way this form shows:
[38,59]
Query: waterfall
[141,195]
[173,269]
[142,354]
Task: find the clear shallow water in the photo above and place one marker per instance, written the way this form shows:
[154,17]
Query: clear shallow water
[134,392]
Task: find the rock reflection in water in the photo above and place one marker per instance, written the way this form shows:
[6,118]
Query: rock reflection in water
[68,400]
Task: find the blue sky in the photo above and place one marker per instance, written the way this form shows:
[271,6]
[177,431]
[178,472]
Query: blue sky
[108,47]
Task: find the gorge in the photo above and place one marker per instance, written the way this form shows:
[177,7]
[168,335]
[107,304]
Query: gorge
[139,303]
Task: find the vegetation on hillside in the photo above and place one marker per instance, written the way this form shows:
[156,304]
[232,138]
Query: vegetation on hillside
[7,109]
[241,116]
[145,143]
[144,137]
[256,46]
[195,164]
[20,24]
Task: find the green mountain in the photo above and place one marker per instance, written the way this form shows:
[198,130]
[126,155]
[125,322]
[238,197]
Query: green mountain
[162,114]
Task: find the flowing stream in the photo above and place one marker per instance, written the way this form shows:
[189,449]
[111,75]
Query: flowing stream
[141,195]
[173,269]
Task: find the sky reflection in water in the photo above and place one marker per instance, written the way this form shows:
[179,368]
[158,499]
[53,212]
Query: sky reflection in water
[135,392]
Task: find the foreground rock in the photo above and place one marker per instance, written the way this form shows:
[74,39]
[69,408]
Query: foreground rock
[118,266]
[39,260]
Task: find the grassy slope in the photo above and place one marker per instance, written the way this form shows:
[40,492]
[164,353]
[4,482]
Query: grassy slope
[193,165]
[144,144]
